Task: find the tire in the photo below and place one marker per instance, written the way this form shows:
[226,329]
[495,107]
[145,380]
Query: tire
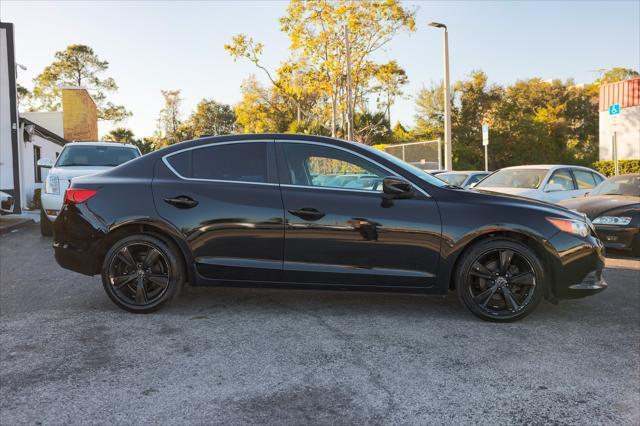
[142,272]
[46,227]
[499,287]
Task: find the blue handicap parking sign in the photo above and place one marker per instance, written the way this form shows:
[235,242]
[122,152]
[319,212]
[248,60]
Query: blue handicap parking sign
[614,109]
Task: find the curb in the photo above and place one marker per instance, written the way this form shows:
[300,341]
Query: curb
[6,228]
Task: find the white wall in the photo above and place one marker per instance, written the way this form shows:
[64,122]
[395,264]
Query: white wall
[6,157]
[627,134]
[52,121]
[48,150]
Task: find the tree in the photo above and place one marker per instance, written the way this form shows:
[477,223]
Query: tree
[124,135]
[211,118]
[169,125]
[316,30]
[78,66]
[430,113]
[617,74]
[390,78]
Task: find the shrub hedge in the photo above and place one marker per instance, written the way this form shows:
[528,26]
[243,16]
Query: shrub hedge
[625,166]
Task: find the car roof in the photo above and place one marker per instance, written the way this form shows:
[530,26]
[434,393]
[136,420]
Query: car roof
[100,143]
[547,167]
[452,172]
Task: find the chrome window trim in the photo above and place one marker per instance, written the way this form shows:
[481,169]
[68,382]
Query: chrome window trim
[166,162]
[364,157]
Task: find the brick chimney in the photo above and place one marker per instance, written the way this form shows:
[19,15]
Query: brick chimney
[79,115]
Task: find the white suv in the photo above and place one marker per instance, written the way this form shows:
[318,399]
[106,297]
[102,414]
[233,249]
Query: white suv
[77,159]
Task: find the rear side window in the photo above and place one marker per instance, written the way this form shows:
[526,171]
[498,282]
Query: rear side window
[585,179]
[240,162]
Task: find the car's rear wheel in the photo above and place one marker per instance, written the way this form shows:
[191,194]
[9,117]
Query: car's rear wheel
[141,272]
[500,280]
[46,227]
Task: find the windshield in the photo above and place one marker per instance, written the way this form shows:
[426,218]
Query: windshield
[456,179]
[514,178]
[406,166]
[620,185]
[95,156]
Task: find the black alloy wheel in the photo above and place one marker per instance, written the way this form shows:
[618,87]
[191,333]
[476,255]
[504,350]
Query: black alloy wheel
[500,280]
[141,272]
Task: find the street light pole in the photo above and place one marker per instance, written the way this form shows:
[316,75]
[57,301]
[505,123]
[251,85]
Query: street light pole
[448,158]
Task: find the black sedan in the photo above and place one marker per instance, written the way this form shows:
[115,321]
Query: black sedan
[614,208]
[274,210]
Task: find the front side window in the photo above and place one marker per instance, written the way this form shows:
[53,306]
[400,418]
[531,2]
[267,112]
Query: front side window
[240,162]
[476,178]
[563,178]
[584,179]
[95,156]
[322,166]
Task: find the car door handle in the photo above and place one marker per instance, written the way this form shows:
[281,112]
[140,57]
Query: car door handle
[307,213]
[181,202]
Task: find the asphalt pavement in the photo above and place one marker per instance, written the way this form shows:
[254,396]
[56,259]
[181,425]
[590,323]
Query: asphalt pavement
[244,356]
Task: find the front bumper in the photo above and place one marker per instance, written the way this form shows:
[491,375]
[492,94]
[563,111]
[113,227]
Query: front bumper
[577,265]
[593,283]
[52,204]
[618,237]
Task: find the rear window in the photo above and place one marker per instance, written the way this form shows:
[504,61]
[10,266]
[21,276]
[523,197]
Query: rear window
[95,156]
[514,178]
[241,162]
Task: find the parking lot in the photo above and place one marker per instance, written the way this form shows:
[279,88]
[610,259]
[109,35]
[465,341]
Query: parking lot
[242,356]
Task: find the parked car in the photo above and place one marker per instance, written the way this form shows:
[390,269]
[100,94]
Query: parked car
[77,159]
[463,179]
[6,203]
[249,210]
[614,208]
[550,183]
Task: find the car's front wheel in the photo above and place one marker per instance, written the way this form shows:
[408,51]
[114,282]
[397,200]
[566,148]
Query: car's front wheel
[500,280]
[142,272]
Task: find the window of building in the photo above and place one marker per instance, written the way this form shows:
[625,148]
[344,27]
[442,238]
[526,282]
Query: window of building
[37,171]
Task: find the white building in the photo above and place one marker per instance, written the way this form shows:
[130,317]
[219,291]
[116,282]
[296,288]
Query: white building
[626,124]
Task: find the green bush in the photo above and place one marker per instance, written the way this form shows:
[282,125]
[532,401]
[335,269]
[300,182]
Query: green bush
[35,203]
[625,166]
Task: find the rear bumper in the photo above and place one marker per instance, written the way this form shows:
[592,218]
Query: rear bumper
[74,258]
[77,241]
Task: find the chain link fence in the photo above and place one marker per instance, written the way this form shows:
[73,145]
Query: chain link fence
[426,155]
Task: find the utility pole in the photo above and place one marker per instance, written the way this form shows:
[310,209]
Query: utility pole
[448,162]
[349,92]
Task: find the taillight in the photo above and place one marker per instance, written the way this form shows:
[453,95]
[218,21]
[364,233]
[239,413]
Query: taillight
[77,195]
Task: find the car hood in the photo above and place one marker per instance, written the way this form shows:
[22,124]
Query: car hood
[522,192]
[596,206]
[523,201]
[69,173]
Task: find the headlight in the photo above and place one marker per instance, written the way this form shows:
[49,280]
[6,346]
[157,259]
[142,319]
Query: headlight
[575,227]
[52,185]
[612,220]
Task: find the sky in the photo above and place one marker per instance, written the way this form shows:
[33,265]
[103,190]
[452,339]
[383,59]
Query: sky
[153,45]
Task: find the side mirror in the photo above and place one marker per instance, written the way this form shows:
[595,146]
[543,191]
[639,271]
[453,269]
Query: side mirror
[398,188]
[45,163]
[553,187]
